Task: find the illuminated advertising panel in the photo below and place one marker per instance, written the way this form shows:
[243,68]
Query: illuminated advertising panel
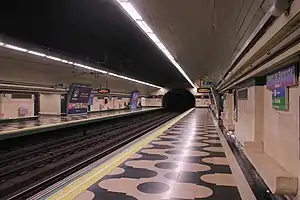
[79,97]
[134,99]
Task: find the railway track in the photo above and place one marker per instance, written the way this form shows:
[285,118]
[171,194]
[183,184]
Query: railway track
[31,168]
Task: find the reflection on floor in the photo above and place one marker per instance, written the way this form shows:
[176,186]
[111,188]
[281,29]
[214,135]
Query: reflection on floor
[186,162]
[48,120]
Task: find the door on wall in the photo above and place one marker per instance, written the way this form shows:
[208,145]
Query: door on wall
[235,106]
[36,105]
[63,104]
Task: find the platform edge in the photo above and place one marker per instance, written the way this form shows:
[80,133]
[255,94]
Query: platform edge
[81,184]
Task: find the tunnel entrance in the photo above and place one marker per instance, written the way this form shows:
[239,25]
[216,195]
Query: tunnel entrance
[178,100]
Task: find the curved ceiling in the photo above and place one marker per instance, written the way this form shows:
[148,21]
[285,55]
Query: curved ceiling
[93,30]
[202,35]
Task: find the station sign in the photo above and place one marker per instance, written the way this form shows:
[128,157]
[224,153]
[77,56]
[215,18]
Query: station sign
[207,84]
[280,98]
[101,91]
[283,78]
[203,90]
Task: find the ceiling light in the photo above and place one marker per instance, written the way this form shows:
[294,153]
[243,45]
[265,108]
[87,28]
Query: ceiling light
[131,11]
[84,66]
[53,58]
[161,46]
[76,64]
[101,71]
[64,61]
[37,53]
[153,37]
[144,26]
[128,7]
[15,48]
[134,80]
[91,68]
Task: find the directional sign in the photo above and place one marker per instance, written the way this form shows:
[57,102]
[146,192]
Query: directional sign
[280,98]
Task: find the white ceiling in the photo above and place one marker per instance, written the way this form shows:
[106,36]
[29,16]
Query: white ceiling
[203,35]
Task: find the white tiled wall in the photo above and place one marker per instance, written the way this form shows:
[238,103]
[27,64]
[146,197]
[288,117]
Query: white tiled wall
[244,127]
[10,107]
[50,104]
[155,102]
[281,131]
[112,103]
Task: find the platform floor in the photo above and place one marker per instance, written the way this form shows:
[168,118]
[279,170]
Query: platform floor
[187,161]
[46,121]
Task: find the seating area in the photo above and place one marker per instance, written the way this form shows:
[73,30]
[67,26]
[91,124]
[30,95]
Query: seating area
[275,176]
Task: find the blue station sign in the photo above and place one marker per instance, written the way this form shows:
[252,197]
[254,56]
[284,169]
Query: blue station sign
[283,78]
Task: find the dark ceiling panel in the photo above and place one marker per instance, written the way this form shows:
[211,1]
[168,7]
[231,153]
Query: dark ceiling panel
[96,30]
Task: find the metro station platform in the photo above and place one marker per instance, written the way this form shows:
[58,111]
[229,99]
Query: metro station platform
[186,158]
[48,123]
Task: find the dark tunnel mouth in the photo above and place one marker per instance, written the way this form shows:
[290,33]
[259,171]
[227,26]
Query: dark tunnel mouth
[178,100]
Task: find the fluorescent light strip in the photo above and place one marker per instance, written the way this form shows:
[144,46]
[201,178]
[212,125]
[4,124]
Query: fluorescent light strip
[53,58]
[134,80]
[64,61]
[15,48]
[128,7]
[131,11]
[153,37]
[37,53]
[144,26]
[73,63]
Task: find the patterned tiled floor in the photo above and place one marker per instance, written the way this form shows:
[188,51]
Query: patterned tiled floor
[186,162]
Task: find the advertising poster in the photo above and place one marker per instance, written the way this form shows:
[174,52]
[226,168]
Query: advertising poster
[134,99]
[280,98]
[91,99]
[79,97]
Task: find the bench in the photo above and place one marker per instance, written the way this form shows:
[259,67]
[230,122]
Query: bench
[275,176]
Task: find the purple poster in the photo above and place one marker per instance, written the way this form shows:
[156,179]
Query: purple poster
[283,78]
[134,98]
[79,97]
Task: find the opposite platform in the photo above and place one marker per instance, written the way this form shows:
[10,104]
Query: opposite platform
[43,123]
[186,159]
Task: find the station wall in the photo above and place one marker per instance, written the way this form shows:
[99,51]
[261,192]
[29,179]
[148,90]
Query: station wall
[117,103]
[113,103]
[155,102]
[281,131]
[50,104]
[275,131]
[16,107]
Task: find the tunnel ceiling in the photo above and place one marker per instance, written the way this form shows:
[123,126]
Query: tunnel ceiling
[203,35]
[96,30]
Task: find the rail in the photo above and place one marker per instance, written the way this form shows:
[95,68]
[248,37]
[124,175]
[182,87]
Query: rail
[28,169]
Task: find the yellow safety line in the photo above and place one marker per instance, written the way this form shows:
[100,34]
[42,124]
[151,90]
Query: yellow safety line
[78,186]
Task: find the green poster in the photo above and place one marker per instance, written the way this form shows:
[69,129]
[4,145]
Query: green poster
[280,98]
